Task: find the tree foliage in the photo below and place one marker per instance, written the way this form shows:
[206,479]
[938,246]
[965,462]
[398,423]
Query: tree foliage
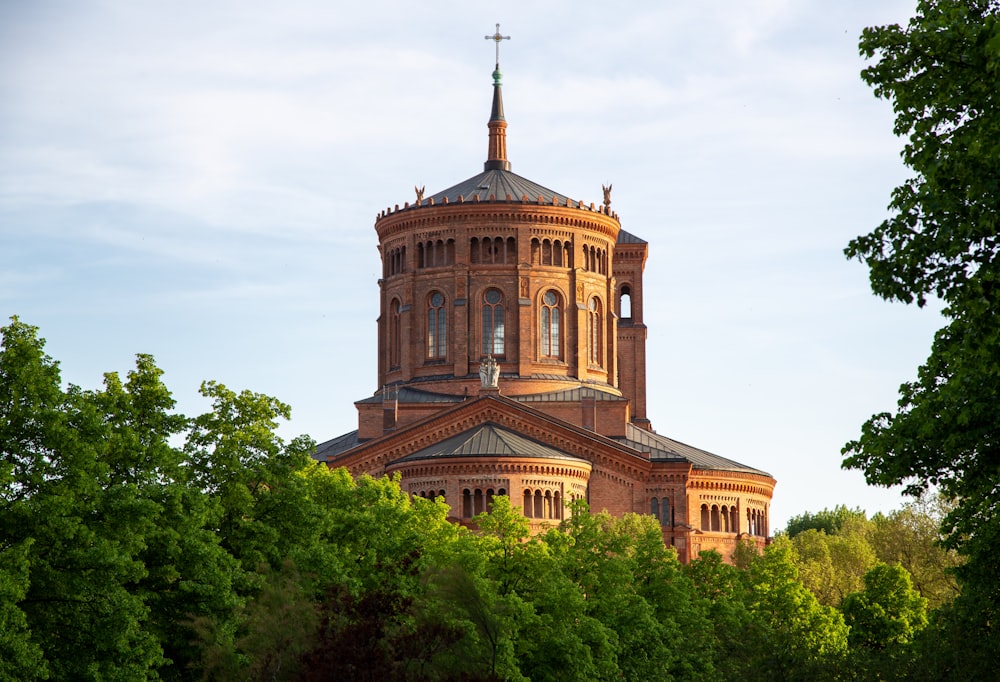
[829,521]
[941,73]
[137,543]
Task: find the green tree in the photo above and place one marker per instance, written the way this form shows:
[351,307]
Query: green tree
[887,612]
[884,619]
[620,565]
[791,635]
[830,521]
[833,566]
[942,74]
[720,595]
[80,521]
[20,657]
[250,473]
[911,537]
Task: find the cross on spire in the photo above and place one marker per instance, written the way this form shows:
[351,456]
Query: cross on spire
[496,37]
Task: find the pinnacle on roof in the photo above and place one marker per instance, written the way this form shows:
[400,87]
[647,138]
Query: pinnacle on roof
[496,153]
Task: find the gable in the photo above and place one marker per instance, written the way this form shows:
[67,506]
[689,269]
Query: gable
[513,427]
[488,440]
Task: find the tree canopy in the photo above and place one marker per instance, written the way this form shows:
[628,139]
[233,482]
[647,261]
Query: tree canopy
[137,543]
[941,72]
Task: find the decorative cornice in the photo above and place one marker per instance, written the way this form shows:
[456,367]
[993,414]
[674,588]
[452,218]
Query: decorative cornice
[575,215]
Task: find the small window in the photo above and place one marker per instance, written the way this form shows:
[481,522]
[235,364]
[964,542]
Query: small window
[625,303]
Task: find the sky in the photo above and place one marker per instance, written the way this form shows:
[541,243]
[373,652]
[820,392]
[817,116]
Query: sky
[199,181]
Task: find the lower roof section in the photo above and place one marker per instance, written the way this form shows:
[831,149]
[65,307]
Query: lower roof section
[488,440]
[664,449]
[492,440]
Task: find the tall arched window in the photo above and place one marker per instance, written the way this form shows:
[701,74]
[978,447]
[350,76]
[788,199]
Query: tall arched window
[437,327]
[595,331]
[395,338]
[493,323]
[549,327]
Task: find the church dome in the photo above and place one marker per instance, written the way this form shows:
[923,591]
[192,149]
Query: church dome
[498,184]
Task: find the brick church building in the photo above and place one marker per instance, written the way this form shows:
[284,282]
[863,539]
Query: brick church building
[512,361]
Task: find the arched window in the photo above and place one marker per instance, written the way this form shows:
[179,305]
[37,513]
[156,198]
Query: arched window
[549,327]
[466,504]
[705,524]
[539,508]
[558,503]
[493,323]
[437,328]
[595,330]
[499,250]
[715,518]
[625,303]
[734,520]
[654,508]
[395,338]
[527,506]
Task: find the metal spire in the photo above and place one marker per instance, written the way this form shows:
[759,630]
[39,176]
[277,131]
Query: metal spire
[496,155]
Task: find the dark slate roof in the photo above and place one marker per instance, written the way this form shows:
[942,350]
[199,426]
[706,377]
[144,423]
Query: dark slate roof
[663,449]
[335,446]
[569,395]
[629,238]
[413,395]
[498,183]
[488,440]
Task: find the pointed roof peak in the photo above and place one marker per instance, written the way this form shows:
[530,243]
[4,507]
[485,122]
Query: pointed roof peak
[496,153]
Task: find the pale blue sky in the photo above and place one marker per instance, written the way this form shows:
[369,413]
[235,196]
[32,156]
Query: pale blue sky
[199,181]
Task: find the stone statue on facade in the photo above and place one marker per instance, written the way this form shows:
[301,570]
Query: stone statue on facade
[489,372]
[607,195]
[420,192]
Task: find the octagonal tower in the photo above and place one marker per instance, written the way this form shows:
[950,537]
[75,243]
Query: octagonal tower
[500,266]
